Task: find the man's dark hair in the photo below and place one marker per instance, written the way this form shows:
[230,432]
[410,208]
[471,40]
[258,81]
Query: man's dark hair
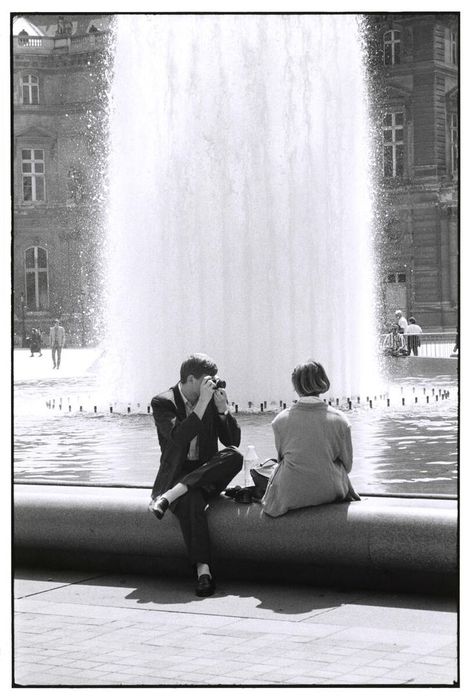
[198,364]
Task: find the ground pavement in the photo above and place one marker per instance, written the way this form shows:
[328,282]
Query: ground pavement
[78,628]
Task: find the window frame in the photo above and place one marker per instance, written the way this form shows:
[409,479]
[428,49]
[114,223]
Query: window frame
[36,271]
[393,42]
[395,277]
[453,125]
[30,81]
[394,143]
[33,175]
[453,47]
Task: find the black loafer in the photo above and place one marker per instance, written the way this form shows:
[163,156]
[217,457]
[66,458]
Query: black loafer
[232,492]
[205,586]
[244,496]
[160,506]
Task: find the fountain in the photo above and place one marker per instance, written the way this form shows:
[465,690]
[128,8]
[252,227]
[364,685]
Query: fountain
[239,224]
[239,216]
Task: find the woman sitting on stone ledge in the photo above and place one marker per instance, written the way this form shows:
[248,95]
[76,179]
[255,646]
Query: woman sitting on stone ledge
[314,447]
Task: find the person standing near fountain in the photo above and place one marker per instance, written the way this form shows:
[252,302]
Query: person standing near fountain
[190,418]
[401,321]
[413,332]
[57,338]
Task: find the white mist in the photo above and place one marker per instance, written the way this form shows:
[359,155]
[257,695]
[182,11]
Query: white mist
[240,215]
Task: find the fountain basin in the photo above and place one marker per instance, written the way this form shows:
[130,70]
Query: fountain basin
[386,543]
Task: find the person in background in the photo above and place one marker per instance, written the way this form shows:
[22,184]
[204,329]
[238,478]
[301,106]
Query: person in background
[456,345]
[401,321]
[35,342]
[57,338]
[413,332]
[190,418]
[394,343]
[314,449]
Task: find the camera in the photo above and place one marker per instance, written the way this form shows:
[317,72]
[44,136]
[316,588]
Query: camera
[218,383]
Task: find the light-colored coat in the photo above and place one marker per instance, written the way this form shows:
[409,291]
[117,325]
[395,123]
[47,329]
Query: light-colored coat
[314,447]
[61,336]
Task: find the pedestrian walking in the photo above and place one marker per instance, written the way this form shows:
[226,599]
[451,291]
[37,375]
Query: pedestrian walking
[35,342]
[57,338]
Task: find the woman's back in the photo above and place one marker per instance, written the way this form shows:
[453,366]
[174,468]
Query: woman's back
[314,448]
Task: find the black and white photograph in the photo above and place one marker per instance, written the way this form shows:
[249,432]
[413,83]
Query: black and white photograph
[235,347]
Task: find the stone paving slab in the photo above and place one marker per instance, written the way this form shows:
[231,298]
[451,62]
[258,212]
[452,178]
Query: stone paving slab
[132,630]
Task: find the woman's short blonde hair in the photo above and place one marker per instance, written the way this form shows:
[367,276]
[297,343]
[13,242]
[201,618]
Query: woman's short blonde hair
[310,378]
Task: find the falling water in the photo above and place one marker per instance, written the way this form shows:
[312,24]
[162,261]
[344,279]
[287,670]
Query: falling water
[239,203]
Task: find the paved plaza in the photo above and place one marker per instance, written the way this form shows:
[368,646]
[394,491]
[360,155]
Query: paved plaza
[79,628]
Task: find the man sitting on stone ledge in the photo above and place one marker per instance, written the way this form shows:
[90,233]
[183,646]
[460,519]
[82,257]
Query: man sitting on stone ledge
[190,419]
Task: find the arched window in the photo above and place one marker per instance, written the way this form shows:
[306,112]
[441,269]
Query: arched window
[391,47]
[30,89]
[23,38]
[36,279]
[32,169]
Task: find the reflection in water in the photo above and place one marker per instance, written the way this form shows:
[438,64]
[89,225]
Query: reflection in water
[401,449]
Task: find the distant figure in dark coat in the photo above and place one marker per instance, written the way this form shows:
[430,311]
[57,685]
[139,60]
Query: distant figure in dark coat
[35,342]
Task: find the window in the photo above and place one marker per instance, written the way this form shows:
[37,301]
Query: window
[391,47]
[23,38]
[453,48]
[76,185]
[393,144]
[32,168]
[396,278]
[453,142]
[30,89]
[36,276]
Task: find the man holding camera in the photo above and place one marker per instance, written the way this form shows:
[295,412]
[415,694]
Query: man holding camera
[190,419]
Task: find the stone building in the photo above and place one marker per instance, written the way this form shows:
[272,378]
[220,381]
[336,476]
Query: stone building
[58,151]
[58,147]
[413,59]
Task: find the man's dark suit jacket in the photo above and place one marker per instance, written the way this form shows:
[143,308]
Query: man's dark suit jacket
[176,431]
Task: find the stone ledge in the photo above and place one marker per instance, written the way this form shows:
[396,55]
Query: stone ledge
[406,543]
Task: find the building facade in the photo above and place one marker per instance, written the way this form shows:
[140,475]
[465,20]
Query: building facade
[58,155]
[59,83]
[413,59]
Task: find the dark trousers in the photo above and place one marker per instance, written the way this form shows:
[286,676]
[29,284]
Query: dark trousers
[413,343]
[56,354]
[203,482]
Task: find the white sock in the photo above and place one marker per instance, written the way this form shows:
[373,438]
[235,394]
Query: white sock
[175,492]
[202,569]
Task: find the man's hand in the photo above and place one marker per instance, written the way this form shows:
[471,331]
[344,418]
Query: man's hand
[220,400]
[206,391]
